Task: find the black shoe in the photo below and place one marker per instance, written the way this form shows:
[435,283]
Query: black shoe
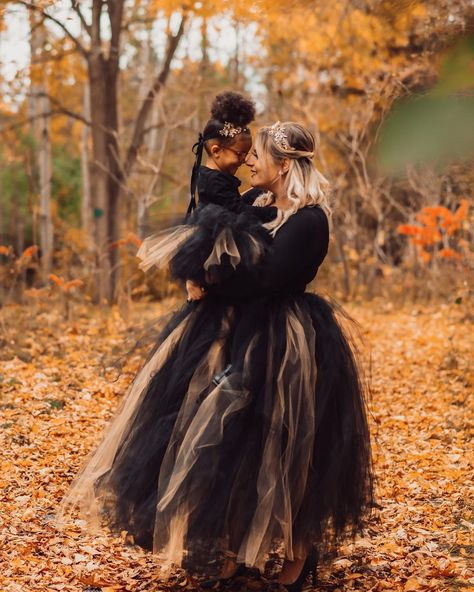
[310,567]
[218,583]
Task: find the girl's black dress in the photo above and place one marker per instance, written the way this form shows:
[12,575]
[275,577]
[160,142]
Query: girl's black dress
[246,430]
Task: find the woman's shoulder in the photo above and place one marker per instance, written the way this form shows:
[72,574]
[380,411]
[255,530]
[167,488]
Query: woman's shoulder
[308,228]
[310,218]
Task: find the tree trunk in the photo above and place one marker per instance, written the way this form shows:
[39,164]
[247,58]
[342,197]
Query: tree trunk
[45,173]
[99,169]
[116,178]
[39,107]
[108,175]
[144,66]
[86,202]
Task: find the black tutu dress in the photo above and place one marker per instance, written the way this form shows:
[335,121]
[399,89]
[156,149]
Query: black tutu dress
[245,431]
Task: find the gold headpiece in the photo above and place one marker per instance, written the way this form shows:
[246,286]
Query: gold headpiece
[277,132]
[230,130]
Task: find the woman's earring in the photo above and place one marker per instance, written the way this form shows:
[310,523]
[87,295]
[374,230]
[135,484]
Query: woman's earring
[280,172]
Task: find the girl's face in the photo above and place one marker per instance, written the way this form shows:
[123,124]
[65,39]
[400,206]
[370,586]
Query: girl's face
[230,158]
[264,171]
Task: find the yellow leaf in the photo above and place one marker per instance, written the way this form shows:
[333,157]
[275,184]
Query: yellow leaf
[413,584]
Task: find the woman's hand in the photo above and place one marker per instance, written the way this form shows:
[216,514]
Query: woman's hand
[195,291]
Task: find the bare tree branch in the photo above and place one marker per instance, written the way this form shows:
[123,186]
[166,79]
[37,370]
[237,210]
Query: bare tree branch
[137,137]
[77,43]
[150,128]
[111,174]
[95,27]
[75,6]
[115,10]
[25,121]
[61,108]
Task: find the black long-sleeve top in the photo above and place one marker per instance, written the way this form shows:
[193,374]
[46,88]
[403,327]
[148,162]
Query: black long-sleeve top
[216,187]
[298,249]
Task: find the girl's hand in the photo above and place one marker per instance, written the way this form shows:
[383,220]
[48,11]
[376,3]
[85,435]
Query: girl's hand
[195,291]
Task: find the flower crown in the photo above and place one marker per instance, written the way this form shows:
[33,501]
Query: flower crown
[230,130]
[277,132]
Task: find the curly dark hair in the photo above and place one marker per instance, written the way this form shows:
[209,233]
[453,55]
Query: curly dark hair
[233,107]
[229,107]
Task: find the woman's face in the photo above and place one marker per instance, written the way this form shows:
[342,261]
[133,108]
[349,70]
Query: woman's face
[264,171]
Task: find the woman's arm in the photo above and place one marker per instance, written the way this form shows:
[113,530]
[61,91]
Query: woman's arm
[219,192]
[302,242]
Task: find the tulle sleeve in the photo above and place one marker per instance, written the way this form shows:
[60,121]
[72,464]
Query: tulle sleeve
[221,244]
[158,249]
[210,248]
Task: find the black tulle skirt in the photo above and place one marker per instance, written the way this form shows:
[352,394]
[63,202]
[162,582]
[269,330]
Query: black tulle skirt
[244,432]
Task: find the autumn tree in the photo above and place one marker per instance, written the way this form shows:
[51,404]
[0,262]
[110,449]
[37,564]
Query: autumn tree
[40,116]
[339,67]
[100,47]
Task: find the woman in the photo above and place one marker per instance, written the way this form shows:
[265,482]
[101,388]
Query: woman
[246,431]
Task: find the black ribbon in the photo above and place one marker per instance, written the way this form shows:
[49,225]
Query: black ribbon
[197,150]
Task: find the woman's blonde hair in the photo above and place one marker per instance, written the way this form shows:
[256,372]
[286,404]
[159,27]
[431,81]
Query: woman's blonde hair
[304,184]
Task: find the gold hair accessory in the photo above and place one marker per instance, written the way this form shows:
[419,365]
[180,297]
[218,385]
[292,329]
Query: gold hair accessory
[277,132]
[229,130]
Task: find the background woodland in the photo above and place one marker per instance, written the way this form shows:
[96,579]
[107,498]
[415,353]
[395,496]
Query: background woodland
[100,104]
[97,132]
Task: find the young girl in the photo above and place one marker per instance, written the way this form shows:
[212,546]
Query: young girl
[226,139]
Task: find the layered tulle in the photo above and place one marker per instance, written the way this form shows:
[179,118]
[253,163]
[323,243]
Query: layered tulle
[274,454]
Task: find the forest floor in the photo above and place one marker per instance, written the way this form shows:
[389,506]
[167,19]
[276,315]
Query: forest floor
[58,390]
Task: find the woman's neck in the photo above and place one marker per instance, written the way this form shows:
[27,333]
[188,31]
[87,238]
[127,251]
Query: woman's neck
[282,201]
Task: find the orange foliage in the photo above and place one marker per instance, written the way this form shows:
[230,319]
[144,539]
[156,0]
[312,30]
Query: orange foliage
[65,286]
[54,410]
[449,254]
[425,256]
[437,222]
[408,230]
[461,212]
[29,252]
[68,286]
[4,250]
[59,281]
[130,239]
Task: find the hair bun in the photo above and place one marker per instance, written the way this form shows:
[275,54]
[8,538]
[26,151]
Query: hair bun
[234,108]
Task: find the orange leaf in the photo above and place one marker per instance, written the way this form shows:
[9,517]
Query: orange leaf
[453,227]
[30,251]
[72,284]
[409,230]
[425,256]
[413,584]
[461,212]
[133,239]
[4,250]
[118,243]
[426,217]
[449,254]
[59,281]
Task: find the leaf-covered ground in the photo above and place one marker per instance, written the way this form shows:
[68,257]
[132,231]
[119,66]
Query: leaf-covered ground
[58,391]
